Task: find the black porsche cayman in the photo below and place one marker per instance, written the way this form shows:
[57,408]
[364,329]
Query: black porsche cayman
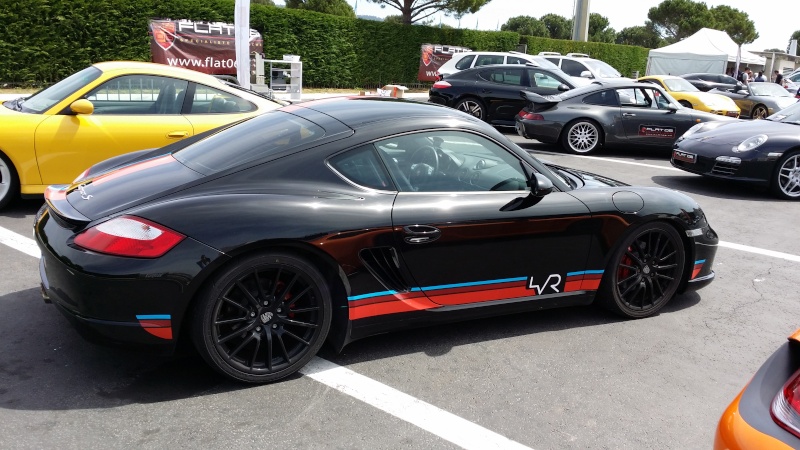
[338,219]
[765,153]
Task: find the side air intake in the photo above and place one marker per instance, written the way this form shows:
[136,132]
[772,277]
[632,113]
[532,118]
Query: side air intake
[383,264]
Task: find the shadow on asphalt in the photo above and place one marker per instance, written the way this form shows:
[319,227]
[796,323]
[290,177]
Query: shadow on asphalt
[46,365]
[710,187]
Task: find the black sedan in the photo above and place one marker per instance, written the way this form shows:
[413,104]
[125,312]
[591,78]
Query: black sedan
[708,81]
[491,93]
[765,153]
[618,113]
[338,219]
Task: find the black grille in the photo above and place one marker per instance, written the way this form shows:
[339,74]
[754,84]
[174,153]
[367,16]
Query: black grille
[383,264]
[724,168]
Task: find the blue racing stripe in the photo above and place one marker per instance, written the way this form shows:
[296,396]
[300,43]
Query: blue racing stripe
[473,283]
[370,295]
[154,317]
[700,261]
[585,272]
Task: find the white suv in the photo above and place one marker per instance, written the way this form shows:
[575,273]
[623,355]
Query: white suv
[580,65]
[468,60]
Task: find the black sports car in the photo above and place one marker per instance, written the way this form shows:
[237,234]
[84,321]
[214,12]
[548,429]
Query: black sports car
[708,81]
[765,152]
[491,93]
[342,218]
[608,113]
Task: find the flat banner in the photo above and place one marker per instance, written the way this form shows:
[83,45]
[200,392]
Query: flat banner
[433,57]
[208,47]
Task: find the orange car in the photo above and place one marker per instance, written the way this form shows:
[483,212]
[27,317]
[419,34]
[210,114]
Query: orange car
[766,414]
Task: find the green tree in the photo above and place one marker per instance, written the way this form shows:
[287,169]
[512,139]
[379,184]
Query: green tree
[734,22]
[262,2]
[599,31]
[794,36]
[526,25]
[643,36]
[677,19]
[415,10]
[334,7]
[559,26]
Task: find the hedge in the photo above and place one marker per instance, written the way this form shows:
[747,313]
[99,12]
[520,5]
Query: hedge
[43,41]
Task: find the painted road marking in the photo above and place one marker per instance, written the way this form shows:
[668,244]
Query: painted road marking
[437,421]
[596,158]
[759,251]
[403,406]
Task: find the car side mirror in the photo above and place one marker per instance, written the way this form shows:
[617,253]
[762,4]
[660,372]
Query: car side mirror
[563,87]
[540,185]
[672,108]
[82,106]
[586,74]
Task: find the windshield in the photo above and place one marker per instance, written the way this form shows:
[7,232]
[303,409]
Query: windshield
[261,136]
[680,85]
[46,98]
[769,90]
[602,69]
[790,114]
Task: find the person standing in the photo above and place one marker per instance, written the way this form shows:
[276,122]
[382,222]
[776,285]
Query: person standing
[760,77]
[778,78]
[746,76]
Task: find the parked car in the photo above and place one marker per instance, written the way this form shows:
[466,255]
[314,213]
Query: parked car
[105,110]
[766,413]
[758,100]
[491,93]
[468,60]
[610,113]
[763,153]
[691,97]
[792,83]
[338,219]
[580,65]
[708,81]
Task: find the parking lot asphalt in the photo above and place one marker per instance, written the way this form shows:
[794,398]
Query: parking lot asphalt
[565,378]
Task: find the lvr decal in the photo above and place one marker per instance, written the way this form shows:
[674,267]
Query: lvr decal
[552,282]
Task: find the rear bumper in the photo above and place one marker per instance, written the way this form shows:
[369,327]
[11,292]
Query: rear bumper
[545,131]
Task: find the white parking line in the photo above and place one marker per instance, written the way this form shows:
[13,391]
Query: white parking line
[437,421]
[760,251]
[596,158]
[412,410]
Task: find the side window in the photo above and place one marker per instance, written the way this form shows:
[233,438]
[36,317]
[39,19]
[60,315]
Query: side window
[465,62]
[634,98]
[450,161]
[511,77]
[362,167]
[554,60]
[572,68]
[138,95]
[542,79]
[484,60]
[603,98]
[515,60]
[711,78]
[207,100]
[659,100]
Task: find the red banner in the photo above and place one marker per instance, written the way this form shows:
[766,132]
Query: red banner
[208,47]
[433,57]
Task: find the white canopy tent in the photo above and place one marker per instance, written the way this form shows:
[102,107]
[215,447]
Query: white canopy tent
[705,51]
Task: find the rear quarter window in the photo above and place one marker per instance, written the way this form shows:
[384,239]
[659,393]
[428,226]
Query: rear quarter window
[465,62]
[602,98]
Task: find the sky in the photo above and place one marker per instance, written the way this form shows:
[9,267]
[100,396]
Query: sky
[775,24]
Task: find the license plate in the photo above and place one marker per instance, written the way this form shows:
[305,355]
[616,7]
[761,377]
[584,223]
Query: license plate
[679,155]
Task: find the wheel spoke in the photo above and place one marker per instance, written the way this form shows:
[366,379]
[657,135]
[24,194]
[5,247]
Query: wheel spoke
[668,256]
[283,348]
[240,347]
[247,293]
[297,297]
[229,337]
[236,304]
[276,282]
[255,352]
[298,323]
[289,333]
[304,310]
[261,294]
[633,285]
[668,266]
[288,287]
[635,258]
[230,321]
[268,333]
[619,283]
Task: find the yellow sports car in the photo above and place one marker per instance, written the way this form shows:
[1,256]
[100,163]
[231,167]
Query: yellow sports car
[691,97]
[105,110]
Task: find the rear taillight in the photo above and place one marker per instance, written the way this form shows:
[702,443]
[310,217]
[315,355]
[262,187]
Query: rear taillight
[442,85]
[129,236]
[786,406]
[530,115]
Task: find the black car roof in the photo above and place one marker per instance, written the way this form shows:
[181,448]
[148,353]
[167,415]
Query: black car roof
[357,112]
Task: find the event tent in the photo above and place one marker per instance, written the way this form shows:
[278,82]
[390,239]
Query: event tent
[705,51]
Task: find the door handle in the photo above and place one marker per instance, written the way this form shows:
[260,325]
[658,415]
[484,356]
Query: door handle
[177,134]
[628,115]
[420,234]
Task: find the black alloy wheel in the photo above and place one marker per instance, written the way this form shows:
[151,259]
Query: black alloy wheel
[263,318]
[473,107]
[644,272]
[759,112]
[786,179]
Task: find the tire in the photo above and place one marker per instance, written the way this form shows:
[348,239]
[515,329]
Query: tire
[644,272]
[785,181]
[473,107]
[685,104]
[582,136]
[263,318]
[759,112]
[9,182]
